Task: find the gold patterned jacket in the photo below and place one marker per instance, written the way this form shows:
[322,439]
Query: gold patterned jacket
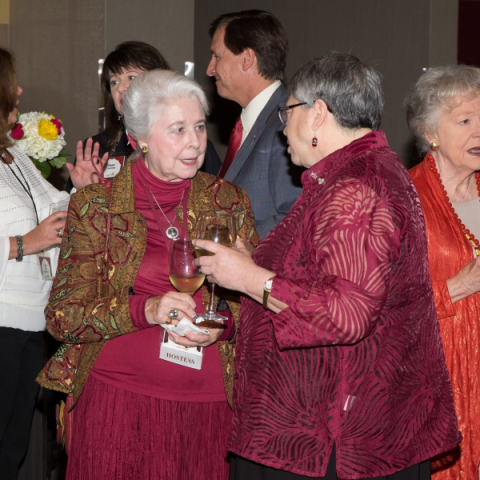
[89,300]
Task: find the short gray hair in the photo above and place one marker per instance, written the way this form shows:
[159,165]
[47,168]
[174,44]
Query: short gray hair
[436,92]
[351,89]
[153,89]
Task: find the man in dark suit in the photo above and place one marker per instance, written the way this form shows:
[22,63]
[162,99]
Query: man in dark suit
[249,51]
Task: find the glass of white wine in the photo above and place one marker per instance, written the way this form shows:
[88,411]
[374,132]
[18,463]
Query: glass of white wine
[183,274]
[219,228]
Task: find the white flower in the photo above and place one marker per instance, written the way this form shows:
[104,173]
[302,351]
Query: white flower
[33,143]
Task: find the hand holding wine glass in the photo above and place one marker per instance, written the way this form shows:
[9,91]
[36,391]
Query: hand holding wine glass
[219,228]
[184,275]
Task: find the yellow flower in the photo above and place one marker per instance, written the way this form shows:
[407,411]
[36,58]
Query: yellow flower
[47,129]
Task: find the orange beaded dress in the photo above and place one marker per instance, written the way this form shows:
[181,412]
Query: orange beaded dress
[448,251]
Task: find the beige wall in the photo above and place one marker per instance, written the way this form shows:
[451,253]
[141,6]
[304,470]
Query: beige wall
[58,45]
[399,38]
[166,24]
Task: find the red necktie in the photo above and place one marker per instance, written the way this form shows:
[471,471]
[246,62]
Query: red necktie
[233,146]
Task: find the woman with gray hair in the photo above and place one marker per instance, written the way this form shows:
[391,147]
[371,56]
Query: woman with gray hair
[138,416]
[443,111]
[339,360]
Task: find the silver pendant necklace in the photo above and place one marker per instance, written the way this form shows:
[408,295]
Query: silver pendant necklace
[171,231]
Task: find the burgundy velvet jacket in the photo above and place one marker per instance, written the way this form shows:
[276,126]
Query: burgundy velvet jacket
[356,359]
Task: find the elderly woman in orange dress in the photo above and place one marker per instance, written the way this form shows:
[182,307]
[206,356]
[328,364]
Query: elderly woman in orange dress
[443,111]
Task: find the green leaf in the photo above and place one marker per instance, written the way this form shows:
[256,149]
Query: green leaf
[99,200]
[61,282]
[63,153]
[44,167]
[99,324]
[125,234]
[67,253]
[59,294]
[241,220]
[58,162]
[84,209]
[113,323]
[71,338]
[65,269]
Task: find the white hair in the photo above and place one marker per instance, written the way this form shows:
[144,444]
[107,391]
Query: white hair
[438,91]
[153,89]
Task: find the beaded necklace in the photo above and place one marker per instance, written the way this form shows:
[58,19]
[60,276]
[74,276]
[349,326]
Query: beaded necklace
[468,235]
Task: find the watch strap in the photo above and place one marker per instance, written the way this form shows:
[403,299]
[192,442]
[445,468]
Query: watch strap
[266,291]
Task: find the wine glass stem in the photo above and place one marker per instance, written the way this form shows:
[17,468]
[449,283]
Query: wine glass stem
[212,299]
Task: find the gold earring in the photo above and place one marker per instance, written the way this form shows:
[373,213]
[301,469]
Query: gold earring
[434,146]
[144,149]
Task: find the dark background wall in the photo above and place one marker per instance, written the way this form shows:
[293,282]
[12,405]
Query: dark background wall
[399,38]
[468,37]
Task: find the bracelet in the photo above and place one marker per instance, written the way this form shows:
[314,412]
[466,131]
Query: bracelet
[19,257]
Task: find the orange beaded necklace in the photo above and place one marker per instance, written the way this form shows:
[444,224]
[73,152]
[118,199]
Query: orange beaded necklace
[468,235]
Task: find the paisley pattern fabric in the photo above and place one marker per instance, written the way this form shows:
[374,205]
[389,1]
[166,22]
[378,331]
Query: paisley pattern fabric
[89,299]
[448,252]
[356,359]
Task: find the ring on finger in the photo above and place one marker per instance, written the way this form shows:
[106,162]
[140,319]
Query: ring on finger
[173,314]
[59,233]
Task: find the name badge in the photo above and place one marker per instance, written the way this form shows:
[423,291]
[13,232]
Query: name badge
[113,166]
[190,357]
[46,265]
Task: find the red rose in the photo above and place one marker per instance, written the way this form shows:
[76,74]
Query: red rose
[17,132]
[58,124]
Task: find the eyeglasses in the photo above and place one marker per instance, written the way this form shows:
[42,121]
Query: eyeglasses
[283,112]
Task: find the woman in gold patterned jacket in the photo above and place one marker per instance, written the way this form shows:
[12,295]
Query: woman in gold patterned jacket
[136,415]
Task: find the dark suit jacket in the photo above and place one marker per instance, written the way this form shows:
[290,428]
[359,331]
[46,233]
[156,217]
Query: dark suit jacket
[262,167]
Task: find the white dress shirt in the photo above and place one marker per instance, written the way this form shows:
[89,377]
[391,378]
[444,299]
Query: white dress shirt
[251,112]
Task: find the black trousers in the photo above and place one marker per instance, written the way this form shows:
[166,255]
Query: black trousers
[21,359]
[242,469]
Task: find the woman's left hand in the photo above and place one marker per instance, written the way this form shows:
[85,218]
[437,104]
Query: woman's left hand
[192,339]
[83,172]
[230,268]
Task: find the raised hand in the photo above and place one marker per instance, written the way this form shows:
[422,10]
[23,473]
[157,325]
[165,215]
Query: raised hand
[83,173]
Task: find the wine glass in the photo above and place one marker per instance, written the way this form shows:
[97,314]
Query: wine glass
[183,274]
[219,228]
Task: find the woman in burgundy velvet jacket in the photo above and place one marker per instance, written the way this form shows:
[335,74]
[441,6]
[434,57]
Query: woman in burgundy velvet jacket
[339,368]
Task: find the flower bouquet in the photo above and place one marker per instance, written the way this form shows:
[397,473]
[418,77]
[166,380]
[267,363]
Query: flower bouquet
[41,137]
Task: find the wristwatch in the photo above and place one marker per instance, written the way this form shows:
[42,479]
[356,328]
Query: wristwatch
[267,287]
